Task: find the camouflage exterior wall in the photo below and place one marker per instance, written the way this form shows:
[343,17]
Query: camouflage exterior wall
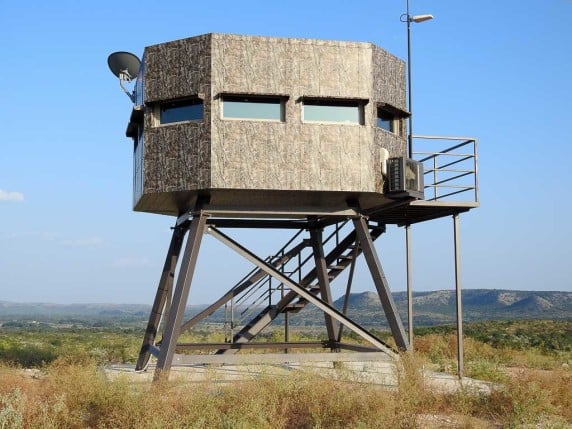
[183,159]
[176,156]
[388,80]
[290,155]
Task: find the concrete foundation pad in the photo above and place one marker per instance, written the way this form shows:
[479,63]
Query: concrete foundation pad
[382,373]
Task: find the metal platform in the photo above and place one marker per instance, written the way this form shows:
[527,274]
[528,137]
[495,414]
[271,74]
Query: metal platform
[419,211]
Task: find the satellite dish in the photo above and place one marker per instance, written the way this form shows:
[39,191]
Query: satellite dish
[124,65]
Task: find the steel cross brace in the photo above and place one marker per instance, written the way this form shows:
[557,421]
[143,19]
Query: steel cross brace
[249,281]
[381,283]
[325,307]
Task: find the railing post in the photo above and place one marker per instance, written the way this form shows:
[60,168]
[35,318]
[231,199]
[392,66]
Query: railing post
[434,177]
[476,170]
[232,319]
[225,324]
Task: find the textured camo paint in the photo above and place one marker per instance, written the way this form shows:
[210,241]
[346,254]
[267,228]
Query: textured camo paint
[184,159]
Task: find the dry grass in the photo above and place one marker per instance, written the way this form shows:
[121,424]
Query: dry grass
[535,390]
[78,396]
[75,394]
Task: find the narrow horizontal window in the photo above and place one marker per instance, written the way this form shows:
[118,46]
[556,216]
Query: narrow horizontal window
[253,107]
[389,120]
[386,120]
[181,111]
[345,112]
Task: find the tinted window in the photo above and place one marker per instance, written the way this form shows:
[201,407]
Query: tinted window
[333,111]
[180,111]
[385,120]
[253,108]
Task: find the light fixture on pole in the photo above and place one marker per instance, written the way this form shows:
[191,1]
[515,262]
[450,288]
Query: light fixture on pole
[406,17]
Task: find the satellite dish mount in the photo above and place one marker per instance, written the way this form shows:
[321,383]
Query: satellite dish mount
[125,66]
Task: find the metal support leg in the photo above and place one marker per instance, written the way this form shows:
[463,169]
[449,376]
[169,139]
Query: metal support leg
[458,296]
[409,285]
[162,297]
[173,326]
[381,284]
[323,281]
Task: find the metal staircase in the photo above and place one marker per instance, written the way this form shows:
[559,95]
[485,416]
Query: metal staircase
[343,252]
[255,301]
[300,273]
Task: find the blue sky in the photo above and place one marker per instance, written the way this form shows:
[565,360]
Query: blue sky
[496,70]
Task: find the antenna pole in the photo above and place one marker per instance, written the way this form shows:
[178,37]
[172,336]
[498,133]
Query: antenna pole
[409,93]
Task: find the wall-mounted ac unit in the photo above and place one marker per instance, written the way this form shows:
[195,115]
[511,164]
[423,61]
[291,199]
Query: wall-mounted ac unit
[405,178]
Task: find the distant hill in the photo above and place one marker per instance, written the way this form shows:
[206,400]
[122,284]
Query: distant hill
[439,307]
[58,310]
[430,308]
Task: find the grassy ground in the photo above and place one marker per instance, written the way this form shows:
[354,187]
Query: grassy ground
[70,391]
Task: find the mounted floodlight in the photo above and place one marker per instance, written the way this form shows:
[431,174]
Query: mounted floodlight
[421,18]
[125,66]
[406,17]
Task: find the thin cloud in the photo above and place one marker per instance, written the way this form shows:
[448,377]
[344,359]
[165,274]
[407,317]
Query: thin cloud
[11,196]
[129,262]
[49,236]
[23,235]
[83,242]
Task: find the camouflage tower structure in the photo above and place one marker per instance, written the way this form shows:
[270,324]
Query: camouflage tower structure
[237,131]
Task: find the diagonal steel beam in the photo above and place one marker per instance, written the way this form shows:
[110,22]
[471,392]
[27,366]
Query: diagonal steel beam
[268,315]
[381,283]
[162,296]
[180,296]
[237,290]
[295,287]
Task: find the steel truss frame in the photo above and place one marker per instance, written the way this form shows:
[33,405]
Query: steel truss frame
[169,304]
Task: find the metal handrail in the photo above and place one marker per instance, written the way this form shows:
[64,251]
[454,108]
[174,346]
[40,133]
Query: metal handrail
[437,156]
[265,284]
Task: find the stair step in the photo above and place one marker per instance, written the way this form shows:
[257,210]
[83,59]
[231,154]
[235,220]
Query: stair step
[339,259]
[337,267]
[294,308]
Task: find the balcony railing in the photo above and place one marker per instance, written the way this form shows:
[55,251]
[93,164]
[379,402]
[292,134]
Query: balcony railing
[450,167]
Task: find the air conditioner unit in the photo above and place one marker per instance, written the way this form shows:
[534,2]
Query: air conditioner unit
[405,178]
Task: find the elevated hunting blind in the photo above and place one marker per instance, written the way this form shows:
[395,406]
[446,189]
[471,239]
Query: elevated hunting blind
[237,131]
[259,123]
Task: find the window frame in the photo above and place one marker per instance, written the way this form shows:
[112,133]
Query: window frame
[278,100]
[191,101]
[394,117]
[334,102]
